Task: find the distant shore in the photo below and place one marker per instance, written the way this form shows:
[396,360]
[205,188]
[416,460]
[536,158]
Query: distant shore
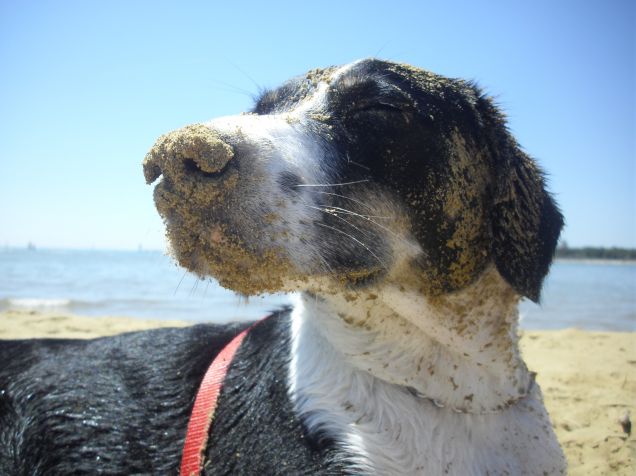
[617,262]
[584,253]
[588,380]
[596,252]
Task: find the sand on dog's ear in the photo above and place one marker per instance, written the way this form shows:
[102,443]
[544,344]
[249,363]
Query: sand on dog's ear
[526,222]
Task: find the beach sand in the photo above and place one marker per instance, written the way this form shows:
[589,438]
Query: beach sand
[588,380]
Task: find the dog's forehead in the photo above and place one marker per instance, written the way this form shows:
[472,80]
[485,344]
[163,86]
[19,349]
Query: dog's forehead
[292,91]
[297,89]
[423,89]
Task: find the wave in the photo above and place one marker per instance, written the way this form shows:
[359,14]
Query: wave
[67,303]
[214,308]
[33,303]
[112,306]
[97,307]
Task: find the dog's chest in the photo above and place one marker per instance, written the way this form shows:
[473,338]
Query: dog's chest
[391,432]
[388,430]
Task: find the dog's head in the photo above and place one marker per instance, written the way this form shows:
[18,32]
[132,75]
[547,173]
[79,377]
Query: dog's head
[347,176]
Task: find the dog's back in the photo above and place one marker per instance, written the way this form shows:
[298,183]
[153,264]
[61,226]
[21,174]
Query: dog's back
[115,405]
[120,405]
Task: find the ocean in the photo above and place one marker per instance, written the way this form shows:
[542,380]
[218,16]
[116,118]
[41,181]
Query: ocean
[147,284]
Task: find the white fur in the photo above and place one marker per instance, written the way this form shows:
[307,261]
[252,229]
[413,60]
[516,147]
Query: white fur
[361,384]
[283,144]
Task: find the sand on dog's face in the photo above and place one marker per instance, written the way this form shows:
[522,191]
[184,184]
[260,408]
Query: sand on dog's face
[252,230]
[228,213]
[197,199]
[264,202]
[373,170]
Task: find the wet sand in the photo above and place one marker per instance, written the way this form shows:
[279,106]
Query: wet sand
[588,380]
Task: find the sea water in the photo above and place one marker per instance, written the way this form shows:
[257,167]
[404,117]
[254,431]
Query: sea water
[145,284]
[594,295]
[148,284]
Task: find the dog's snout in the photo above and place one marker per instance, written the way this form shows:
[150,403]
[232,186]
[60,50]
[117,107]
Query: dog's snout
[194,149]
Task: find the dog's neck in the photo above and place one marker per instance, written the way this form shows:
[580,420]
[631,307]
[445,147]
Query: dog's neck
[460,351]
[372,370]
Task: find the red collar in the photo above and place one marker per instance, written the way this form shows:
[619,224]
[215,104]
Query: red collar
[204,407]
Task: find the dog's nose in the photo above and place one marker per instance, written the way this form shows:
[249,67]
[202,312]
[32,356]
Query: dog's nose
[192,150]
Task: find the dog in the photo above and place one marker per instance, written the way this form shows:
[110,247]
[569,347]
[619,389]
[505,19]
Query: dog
[399,206]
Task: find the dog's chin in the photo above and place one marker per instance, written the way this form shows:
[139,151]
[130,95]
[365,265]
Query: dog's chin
[235,268]
[270,271]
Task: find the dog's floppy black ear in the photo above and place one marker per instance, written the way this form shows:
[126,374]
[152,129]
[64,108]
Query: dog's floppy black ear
[526,221]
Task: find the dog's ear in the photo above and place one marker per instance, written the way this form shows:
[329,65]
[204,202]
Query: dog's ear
[526,221]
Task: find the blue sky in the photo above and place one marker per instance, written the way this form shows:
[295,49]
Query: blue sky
[86,88]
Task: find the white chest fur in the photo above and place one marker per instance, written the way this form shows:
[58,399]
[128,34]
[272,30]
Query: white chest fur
[390,428]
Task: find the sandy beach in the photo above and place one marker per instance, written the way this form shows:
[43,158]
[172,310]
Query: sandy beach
[588,380]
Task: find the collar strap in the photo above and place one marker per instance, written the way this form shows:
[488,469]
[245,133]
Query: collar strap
[204,407]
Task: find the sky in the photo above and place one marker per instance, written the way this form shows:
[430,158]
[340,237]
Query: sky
[87,87]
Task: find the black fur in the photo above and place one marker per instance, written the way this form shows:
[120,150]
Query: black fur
[526,220]
[120,405]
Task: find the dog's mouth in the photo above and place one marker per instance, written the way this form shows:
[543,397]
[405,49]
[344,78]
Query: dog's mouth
[224,219]
[234,263]
[209,244]
[210,248]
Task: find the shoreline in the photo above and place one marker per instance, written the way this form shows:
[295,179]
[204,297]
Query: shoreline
[588,379]
[603,261]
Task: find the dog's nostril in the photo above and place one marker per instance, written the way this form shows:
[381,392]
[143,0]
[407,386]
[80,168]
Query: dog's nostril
[192,166]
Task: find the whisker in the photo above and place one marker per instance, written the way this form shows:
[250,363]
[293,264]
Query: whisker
[349,212]
[180,281]
[244,73]
[330,184]
[194,287]
[327,268]
[364,217]
[356,240]
[349,161]
[377,54]
[359,202]
[348,223]
[334,210]
[230,88]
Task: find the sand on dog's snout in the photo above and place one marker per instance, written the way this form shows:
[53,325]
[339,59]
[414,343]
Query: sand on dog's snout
[194,199]
[195,142]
